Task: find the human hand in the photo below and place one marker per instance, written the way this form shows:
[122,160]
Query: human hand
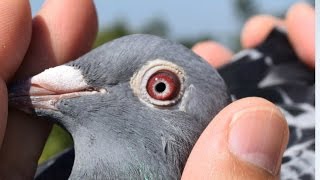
[246,140]
[50,44]
[61,31]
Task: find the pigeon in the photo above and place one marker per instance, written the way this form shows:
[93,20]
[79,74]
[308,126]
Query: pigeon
[134,106]
[273,71]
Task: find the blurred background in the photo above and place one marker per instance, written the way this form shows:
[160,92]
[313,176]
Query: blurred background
[187,22]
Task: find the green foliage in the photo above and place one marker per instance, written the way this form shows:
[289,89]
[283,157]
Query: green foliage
[155,26]
[189,42]
[58,140]
[117,30]
[245,8]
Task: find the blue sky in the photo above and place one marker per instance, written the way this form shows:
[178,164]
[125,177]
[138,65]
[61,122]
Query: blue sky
[185,18]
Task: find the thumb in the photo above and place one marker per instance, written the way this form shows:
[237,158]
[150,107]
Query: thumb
[246,140]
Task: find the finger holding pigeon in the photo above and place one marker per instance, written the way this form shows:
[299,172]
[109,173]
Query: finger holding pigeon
[61,31]
[207,157]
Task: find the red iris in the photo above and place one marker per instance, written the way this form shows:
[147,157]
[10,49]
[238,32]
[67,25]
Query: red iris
[163,85]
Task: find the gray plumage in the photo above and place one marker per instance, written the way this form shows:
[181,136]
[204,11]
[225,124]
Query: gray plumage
[116,134]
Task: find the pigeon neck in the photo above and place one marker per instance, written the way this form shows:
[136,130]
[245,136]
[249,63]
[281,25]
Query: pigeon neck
[104,156]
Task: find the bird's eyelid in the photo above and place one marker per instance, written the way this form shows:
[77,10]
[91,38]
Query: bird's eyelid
[140,78]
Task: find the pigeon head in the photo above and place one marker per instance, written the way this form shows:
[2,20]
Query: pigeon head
[134,106]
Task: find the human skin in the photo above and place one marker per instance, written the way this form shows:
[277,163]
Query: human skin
[64,30]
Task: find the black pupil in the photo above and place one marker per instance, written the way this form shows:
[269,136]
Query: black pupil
[160,87]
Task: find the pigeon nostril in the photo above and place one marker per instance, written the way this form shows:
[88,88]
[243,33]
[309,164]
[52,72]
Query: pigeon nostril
[161,87]
[90,89]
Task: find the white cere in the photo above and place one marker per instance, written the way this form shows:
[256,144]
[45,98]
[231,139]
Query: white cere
[61,79]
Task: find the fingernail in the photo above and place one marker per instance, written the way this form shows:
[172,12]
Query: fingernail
[257,136]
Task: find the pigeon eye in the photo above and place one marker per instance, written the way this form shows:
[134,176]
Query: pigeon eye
[159,83]
[163,85]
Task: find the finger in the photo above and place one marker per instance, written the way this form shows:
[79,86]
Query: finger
[62,30]
[15,30]
[300,22]
[214,53]
[256,29]
[246,140]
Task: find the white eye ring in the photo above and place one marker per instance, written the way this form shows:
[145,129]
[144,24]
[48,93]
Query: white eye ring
[140,79]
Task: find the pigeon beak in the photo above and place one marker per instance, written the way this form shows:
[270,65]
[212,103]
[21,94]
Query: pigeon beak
[44,90]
